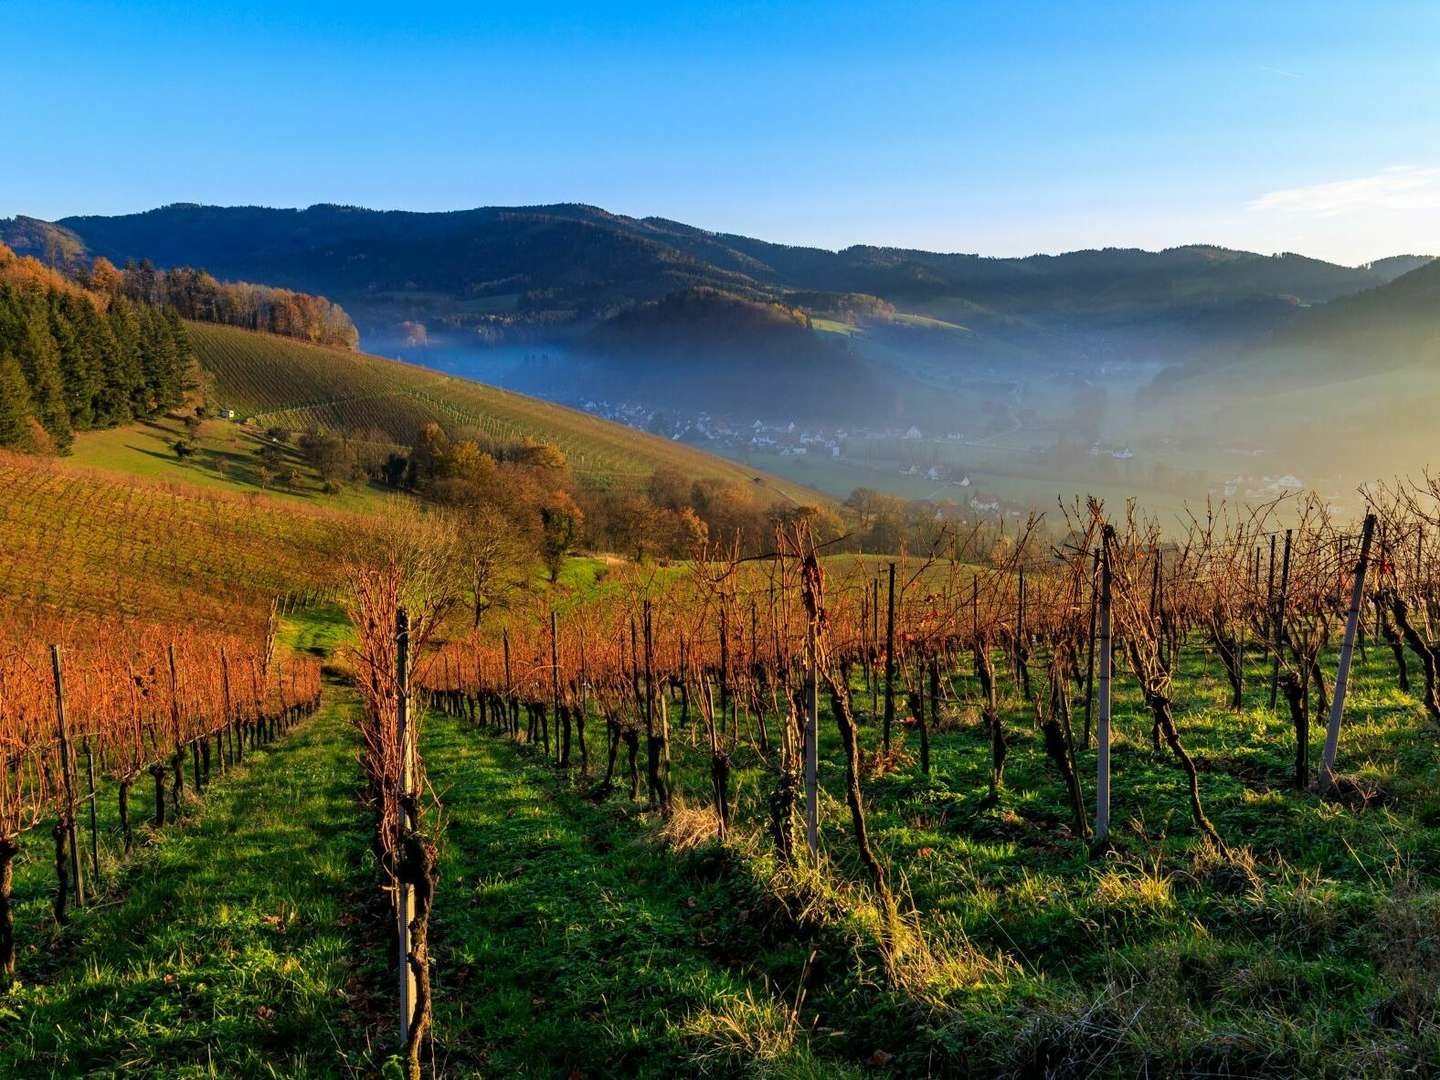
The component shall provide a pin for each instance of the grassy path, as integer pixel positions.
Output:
(567, 944)
(226, 947)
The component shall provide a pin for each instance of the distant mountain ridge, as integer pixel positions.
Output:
(574, 262)
(673, 316)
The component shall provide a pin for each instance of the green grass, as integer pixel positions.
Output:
(574, 937)
(567, 943)
(833, 326)
(224, 460)
(320, 631)
(225, 947)
(1316, 944)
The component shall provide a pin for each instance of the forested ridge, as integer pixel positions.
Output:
(196, 294)
(106, 346)
(74, 358)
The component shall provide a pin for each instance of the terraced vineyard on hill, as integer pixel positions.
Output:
(87, 541)
(279, 381)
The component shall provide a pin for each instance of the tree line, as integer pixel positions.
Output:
(72, 359)
(197, 295)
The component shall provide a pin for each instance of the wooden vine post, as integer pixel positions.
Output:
(580, 711)
(561, 753)
(229, 725)
(177, 761)
(1347, 650)
(890, 660)
(404, 891)
(66, 846)
(1102, 758)
(512, 707)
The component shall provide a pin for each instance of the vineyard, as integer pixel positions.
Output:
(1118, 803)
(77, 540)
(1080, 798)
(104, 704)
(277, 381)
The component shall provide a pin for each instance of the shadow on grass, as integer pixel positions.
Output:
(224, 947)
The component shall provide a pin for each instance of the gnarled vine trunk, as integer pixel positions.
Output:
(9, 848)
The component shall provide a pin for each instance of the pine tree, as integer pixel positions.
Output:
(160, 358)
(187, 372)
(40, 361)
(84, 368)
(15, 409)
(126, 374)
(74, 365)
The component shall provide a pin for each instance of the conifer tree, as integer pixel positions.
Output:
(40, 361)
(15, 409)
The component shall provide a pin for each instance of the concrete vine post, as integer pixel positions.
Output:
(890, 660)
(1278, 617)
(1090, 651)
(1342, 676)
(94, 815)
(1102, 758)
(874, 643)
(812, 732)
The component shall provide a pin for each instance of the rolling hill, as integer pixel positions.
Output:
(1348, 388)
(126, 525)
(281, 382)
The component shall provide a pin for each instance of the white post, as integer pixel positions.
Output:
(1102, 759)
(812, 731)
(1347, 650)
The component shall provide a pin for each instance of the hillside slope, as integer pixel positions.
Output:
(81, 539)
(277, 381)
(1348, 389)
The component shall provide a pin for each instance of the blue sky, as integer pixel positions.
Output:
(1002, 128)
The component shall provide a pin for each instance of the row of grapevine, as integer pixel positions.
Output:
(78, 540)
(87, 702)
(742, 651)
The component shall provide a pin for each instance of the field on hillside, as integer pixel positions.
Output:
(580, 930)
(278, 381)
(586, 922)
(223, 457)
(77, 539)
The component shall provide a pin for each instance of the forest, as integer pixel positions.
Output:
(73, 359)
(107, 346)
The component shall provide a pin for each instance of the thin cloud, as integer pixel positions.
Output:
(1401, 187)
(1279, 71)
